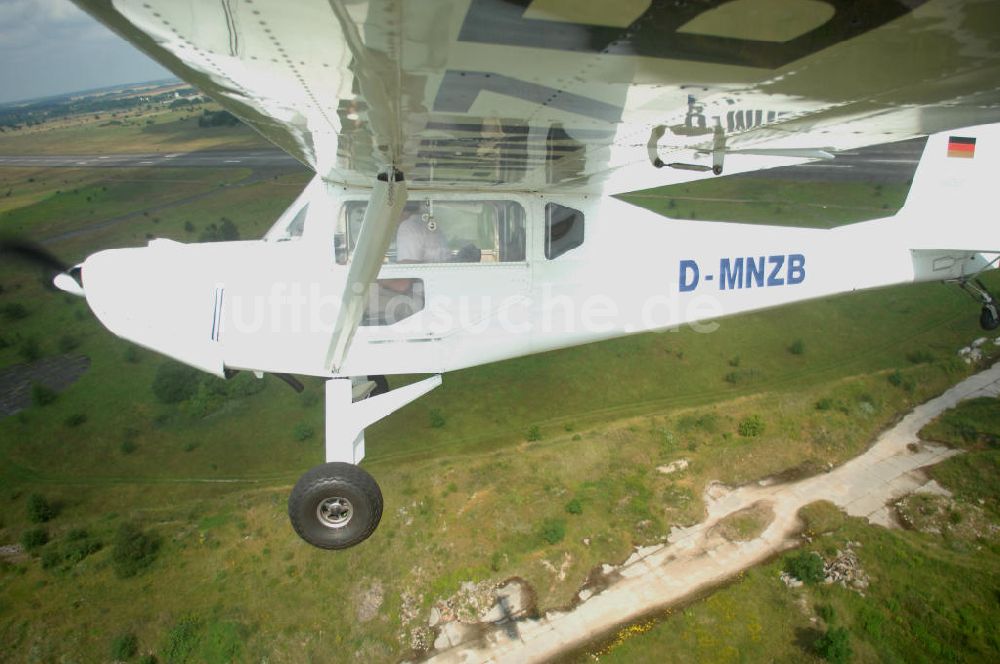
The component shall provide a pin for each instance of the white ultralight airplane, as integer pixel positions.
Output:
(466, 156)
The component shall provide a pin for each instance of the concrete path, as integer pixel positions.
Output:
(695, 558)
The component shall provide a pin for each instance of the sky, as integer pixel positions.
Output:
(49, 47)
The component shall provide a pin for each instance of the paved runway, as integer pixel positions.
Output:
(887, 163)
(207, 158)
(891, 162)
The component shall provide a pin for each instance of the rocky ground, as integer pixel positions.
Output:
(484, 624)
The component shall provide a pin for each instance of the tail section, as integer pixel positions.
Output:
(953, 201)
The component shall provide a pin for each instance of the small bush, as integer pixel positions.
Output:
(437, 419)
(42, 395)
(897, 379)
(534, 433)
(13, 311)
(827, 613)
(34, 539)
(133, 550)
(826, 403)
(574, 506)
(68, 342)
(181, 640)
(496, 561)
(224, 231)
(131, 354)
(920, 357)
(553, 530)
(834, 646)
(124, 647)
(244, 385)
(40, 510)
(805, 566)
(821, 516)
(128, 446)
(50, 558)
(75, 420)
(30, 349)
(303, 432)
(77, 546)
(174, 383)
(751, 426)
(797, 347)
(743, 376)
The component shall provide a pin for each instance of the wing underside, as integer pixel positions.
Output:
(542, 94)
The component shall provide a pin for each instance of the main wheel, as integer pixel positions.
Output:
(335, 506)
(988, 319)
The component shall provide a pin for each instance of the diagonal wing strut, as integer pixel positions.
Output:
(377, 230)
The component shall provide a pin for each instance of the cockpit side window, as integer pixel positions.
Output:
(392, 300)
(289, 226)
(563, 230)
(444, 231)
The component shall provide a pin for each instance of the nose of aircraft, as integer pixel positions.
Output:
(70, 281)
(161, 297)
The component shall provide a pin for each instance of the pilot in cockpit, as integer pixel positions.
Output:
(418, 239)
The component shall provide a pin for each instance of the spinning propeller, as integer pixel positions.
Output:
(65, 277)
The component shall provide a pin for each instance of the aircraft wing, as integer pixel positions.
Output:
(543, 94)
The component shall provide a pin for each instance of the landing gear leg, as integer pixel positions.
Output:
(337, 505)
(989, 316)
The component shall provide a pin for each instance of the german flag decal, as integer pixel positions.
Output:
(961, 147)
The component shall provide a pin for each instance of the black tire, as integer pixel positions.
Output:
(381, 385)
(988, 319)
(335, 506)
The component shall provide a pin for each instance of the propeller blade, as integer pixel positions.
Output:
(31, 252)
(65, 277)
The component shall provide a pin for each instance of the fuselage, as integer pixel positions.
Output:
(552, 271)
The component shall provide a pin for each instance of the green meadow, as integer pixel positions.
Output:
(139, 130)
(166, 533)
(932, 595)
(806, 203)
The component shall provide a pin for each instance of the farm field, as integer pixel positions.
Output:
(166, 522)
(139, 130)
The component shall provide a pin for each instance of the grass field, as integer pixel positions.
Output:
(932, 595)
(747, 199)
(542, 467)
(135, 131)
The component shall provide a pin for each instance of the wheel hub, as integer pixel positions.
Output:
(334, 512)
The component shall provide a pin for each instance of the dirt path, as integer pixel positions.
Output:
(696, 558)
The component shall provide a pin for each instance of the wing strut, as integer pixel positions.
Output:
(377, 231)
